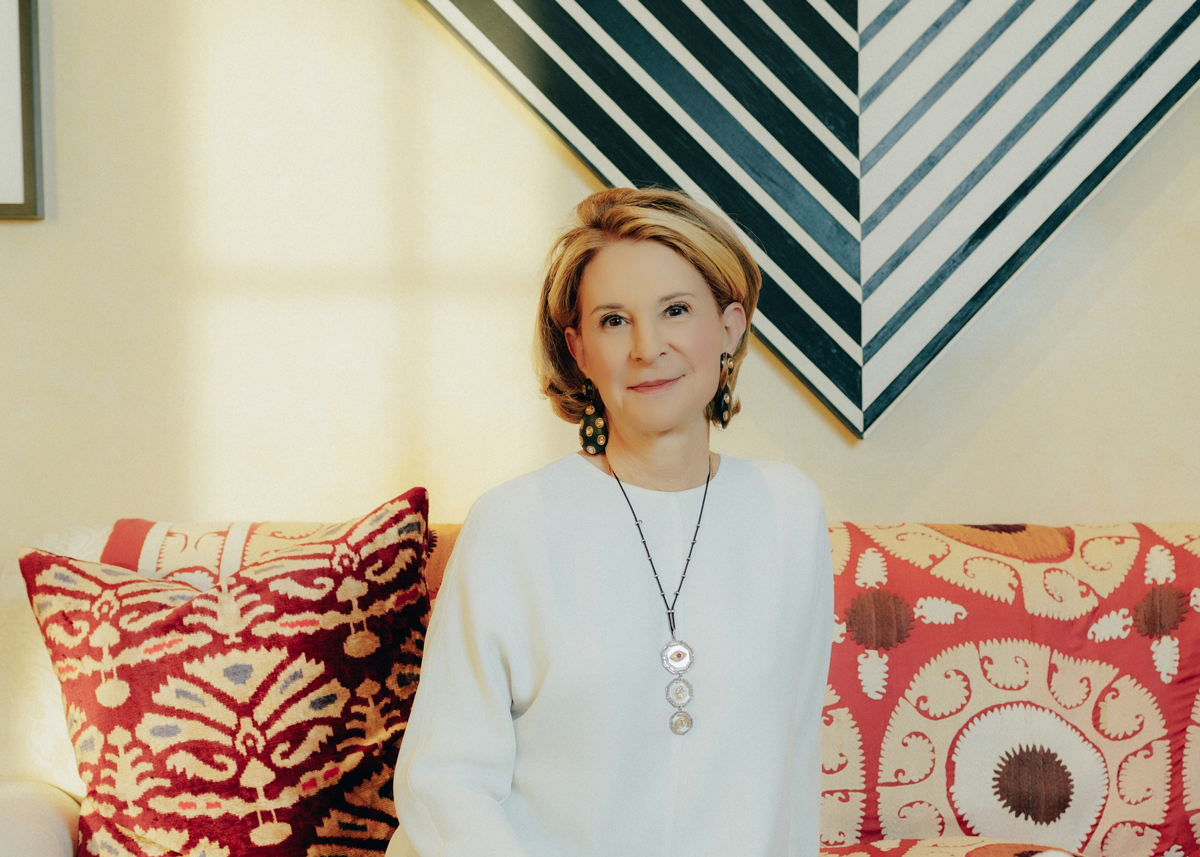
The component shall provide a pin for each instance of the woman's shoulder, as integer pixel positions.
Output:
(506, 524)
(784, 481)
(531, 493)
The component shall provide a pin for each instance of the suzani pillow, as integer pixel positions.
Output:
(260, 712)
(947, 846)
(1032, 684)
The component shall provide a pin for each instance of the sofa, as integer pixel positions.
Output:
(994, 691)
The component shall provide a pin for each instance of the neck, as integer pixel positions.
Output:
(672, 462)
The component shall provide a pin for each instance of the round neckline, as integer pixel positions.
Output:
(684, 492)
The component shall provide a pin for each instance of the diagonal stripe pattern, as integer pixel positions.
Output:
(883, 221)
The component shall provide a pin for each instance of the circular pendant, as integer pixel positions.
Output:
(679, 693)
(681, 722)
(677, 657)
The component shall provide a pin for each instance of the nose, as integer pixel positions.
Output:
(648, 343)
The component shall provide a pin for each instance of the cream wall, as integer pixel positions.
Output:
(289, 266)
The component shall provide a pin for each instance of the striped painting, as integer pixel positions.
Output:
(891, 162)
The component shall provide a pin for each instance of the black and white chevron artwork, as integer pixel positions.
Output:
(891, 162)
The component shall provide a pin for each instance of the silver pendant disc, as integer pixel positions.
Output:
(679, 692)
(677, 657)
(681, 722)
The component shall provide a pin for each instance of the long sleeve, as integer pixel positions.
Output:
(457, 758)
(806, 767)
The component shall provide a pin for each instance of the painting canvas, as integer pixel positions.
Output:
(892, 163)
(20, 133)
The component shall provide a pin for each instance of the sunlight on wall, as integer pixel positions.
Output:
(365, 278)
(311, 407)
(293, 268)
(294, 399)
(484, 227)
(286, 110)
(474, 417)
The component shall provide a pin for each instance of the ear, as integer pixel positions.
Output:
(575, 346)
(734, 319)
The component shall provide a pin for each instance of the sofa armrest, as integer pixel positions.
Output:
(36, 820)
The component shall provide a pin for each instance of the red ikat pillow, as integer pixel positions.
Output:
(203, 553)
(257, 712)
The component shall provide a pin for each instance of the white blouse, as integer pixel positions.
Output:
(540, 724)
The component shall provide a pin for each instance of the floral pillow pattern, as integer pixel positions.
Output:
(1021, 683)
(257, 712)
(950, 846)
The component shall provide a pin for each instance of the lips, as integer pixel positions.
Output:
(652, 386)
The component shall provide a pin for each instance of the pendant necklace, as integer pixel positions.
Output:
(676, 655)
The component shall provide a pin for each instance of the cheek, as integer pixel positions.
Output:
(604, 360)
(707, 349)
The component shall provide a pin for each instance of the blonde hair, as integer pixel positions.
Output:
(673, 219)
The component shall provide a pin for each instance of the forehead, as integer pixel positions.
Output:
(634, 271)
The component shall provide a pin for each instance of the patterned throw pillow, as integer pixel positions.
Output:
(202, 553)
(260, 712)
(947, 846)
(1026, 683)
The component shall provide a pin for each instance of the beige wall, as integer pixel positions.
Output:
(288, 269)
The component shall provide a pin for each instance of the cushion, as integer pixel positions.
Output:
(948, 846)
(1017, 682)
(263, 704)
(201, 553)
(36, 819)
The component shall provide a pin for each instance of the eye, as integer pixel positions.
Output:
(612, 321)
(676, 310)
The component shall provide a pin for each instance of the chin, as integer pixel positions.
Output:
(665, 424)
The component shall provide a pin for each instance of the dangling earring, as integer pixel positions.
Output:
(592, 431)
(723, 402)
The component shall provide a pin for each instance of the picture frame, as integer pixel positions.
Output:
(888, 181)
(20, 113)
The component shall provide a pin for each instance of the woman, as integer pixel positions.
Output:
(629, 651)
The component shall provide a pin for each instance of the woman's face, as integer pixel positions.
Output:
(650, 337)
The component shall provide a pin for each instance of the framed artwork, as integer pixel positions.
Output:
(890, 163)
(20, 112)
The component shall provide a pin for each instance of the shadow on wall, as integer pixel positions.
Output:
(367, 303)
(280, 277)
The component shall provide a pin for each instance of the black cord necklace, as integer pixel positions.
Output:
(676, 655)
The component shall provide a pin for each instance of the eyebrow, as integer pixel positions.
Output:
(665, 299)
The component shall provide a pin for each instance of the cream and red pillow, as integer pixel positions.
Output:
(255, 708)
(202, 553)
(1030, 683)
(949, 846)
